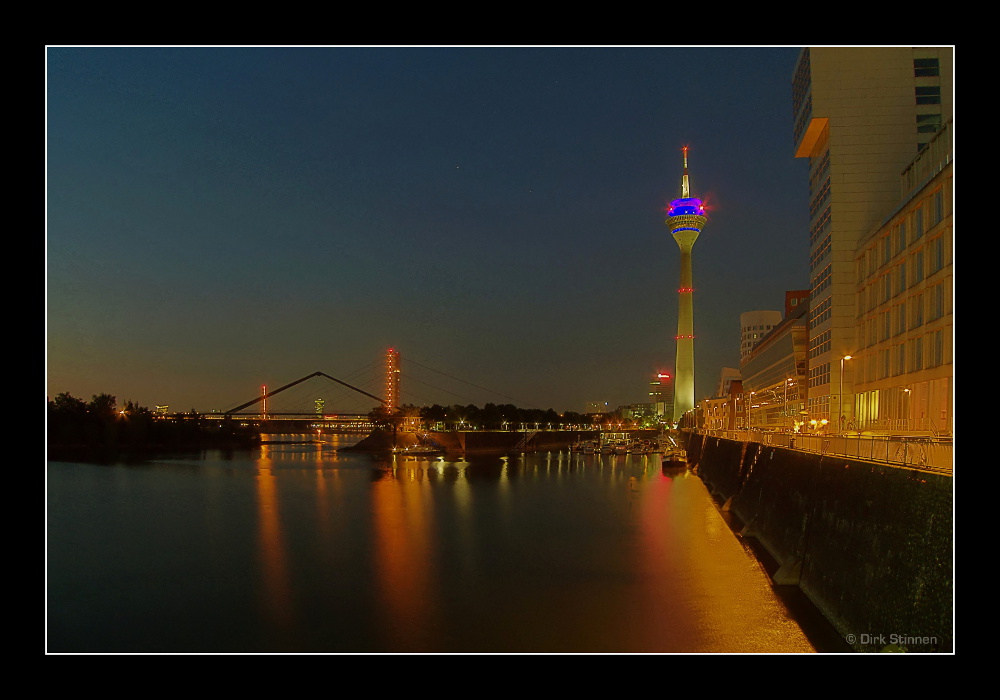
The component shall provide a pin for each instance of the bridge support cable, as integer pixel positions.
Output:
(437, 388)
(299, 381)
(459, 380)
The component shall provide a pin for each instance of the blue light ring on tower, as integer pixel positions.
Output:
(690, 206)
(686, 222)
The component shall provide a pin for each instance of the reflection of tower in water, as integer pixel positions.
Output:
(391, 378)
(685, 217)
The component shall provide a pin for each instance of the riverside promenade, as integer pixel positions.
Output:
(869, 542)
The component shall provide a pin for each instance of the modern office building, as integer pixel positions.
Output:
(754, 325)
(860, 115)
(661, 397)
(774, 373)
(685, 219)
(902, 368)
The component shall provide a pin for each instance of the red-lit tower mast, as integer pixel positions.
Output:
(391, 378)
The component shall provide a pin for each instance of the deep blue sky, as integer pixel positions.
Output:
(223, 218)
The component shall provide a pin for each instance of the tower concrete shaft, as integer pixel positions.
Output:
(685, 218)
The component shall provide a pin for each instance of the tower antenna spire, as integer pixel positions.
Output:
(685, 184)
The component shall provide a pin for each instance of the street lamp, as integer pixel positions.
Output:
(788, 380)
(905, 413)
(843, 417)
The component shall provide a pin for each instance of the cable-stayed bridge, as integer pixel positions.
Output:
(320, 394)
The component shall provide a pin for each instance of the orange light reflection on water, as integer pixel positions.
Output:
(402, 519)
(732, 605)
(276, 591)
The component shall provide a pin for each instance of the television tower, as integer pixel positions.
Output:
(685, 217)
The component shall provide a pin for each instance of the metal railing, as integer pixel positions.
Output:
(918, 452)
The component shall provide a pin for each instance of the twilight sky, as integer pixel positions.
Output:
(223, 218)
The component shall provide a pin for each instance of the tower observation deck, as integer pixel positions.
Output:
(685, 219)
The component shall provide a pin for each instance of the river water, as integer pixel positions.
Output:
(300, 548)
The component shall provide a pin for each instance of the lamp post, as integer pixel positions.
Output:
(906, 410)
(841, 400)
(788, 381)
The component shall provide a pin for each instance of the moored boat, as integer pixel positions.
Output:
(675, 458)
(421, 449)
(640, 447)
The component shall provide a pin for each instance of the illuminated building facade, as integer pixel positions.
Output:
(774, 373)
(903, 372)
(754, 325)
(860, 115)
(685, 219)
(660, 396)
(392, 378)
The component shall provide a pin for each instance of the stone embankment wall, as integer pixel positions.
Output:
(870, 544)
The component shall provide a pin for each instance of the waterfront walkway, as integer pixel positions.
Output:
(916, 452)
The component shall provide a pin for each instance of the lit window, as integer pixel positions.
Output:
(928, 123)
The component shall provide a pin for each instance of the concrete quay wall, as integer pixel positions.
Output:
(870, 544)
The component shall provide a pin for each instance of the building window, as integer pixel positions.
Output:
(935, 302)
(900, 277)
(916, 353)
(937, 207)
(899, 359)
(820, 199)
(936, 349)
(928, 123)
(883, 364)
(822, 313)
(886, 246)
(928, 95)
(898, 319)
(820, 344)
(926, 67)
(935, 255)
(916, 305)
(917, 268)
(818, 376)
(821, 253)
(821, 282)
(821, 226)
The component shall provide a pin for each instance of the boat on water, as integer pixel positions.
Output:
(641, 447)
(675, 458)
(418, 450)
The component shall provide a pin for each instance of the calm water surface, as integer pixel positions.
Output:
(299, 548)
